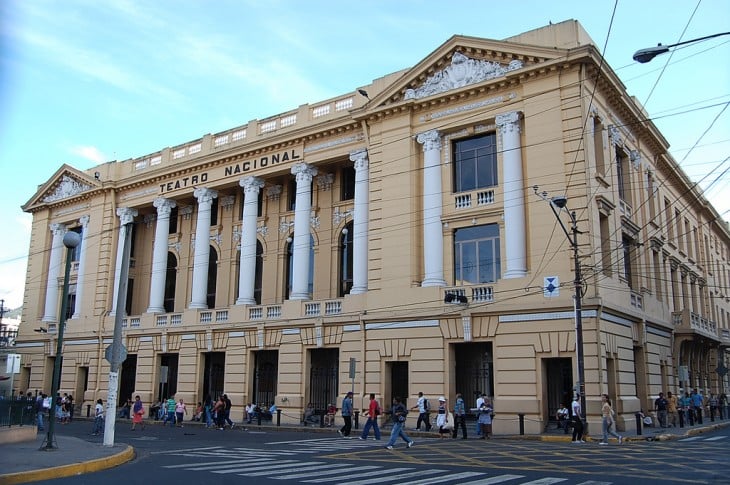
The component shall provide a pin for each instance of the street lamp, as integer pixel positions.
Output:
(71, 239)
(557, 204)
(646, 55)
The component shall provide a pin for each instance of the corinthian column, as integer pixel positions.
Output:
(201, 253)
(360, 223)
(81, 272)
(126, 216)
(433, 242)
(247, 270)
(50, 312)
(159, 255)
(514, 195)
(302, 236)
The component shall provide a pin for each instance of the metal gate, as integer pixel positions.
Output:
(398, 381)
(474, 371)
(323, 380)
(128, 379)
(168, 376)
(559, 384)
(265, 375)
(214, 374)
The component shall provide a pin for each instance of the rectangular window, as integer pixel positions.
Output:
(650, 189)
(475, 163)
(668, 220)
(598, 145)
(622, 175)
(476, 255)
(605, 245)
(628, 246)
(657, 275)
(347, 182)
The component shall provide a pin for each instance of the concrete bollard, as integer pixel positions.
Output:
(522, 423)
(639, 422)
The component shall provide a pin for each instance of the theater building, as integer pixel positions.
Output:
(395, 239)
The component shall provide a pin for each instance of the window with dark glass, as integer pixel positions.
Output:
(170, 283)
(173, 221)
(290, 266)
(214, 212)
(345, 279)
(259, 207)
(347, 175)
(258, 281)
(475, 162)
(628, 246)
(292, 195)
(212, 277)
(476, 255)
(130, 292)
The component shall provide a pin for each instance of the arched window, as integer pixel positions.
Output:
(290, 268)
(212, 277)
(170, 282)
(345, 247)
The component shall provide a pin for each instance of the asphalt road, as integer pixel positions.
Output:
(193, 455)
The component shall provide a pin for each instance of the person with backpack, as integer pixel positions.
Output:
(424, 412)
(346, 415)
(373, 412)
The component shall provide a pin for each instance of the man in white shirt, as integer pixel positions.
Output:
(424, 414)
(480, 403)
(577, 420)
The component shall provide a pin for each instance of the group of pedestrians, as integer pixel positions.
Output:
(688, 409)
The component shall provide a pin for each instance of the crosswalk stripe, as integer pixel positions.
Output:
(691, 438)
(350, 471)
(184, 465)
(175, 452)
(593, 482)
(307, 470)
(241, 464)
(391, 478)
(284, 469)
(545, 481)
(492, 480)
(447, 478)
(715, 438)
(373, 473)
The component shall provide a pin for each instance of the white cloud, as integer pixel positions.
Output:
(90, 153)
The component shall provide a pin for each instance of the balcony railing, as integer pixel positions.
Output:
(477, 294)
(690, 321)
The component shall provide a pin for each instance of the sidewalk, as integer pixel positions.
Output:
(24, 462)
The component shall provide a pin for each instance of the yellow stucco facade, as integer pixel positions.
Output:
(366, 213)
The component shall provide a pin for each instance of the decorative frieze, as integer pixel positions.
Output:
(68, 187)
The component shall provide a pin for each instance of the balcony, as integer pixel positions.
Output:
(475, 294)
(690, 323)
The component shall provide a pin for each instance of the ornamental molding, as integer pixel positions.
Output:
(468, 107)
(325, 181)
(68, 187)
(333, 143)
(69, 210)
(138, 193)
(462, 71)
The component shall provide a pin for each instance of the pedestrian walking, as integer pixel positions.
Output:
(219, 413)
(609, 419)
(208, 410)
(577, 417)
(672, 407)
(459, 417)
(479, 402)
(398, 413)
(697, 403)
(170, 405)
(180, 412)
(484, 420)
(424, 412)
(41, 409)
(227, 411)
(442, 418)
(98, 418)
(373, 412)
(137, 413)
(660, 406)
(346, 415)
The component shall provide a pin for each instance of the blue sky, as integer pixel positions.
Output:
(84, 82)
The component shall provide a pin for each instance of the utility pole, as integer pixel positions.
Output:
(116, 353)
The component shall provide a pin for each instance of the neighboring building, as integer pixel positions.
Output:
(265, 259)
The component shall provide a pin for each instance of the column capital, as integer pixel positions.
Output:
(57, 228)
(164, 206)
(84, 221)
(360, 157)
(251, 185)
(303, 172)
(506, 122)
(431, 140)
(204, 194)
(126, 214)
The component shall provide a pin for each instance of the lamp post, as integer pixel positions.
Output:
(646, 55)
(557, 204)
(71, 239)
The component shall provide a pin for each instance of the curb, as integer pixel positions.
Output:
(69, 470)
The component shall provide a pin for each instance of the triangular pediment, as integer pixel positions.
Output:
(460, 62)
(66, 183)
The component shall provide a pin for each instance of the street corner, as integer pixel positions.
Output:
(127, 454)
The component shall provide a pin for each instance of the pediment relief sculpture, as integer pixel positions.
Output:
(461, 72)
(68, 187)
